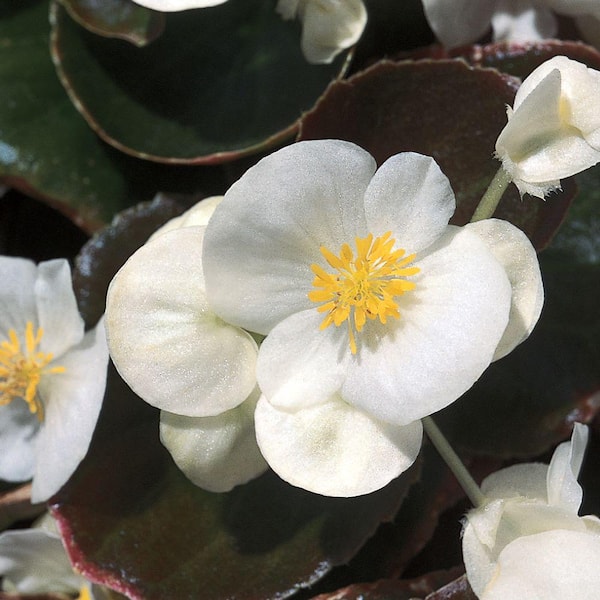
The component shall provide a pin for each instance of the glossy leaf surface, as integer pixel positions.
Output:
(239, 83)
(122, 19)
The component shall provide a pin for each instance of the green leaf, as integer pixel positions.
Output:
(443, 109)
(219, 83)
(48, 151)
(117, 18)
(131, 520)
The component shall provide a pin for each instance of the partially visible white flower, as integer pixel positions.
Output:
(369, 301)
(52, 375)
(198, 216)
(553, 129)
(175, 353)
(215, 453)
(527, 540)
(34, 561)
(177, 5)
(459, 22)
(328, 26)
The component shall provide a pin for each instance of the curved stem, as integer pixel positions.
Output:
(489, 201)
(453, 461)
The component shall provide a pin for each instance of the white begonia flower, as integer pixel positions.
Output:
(174, 352)
(328, 26)
(553, 129)
(177, 5)
(52, 375)
(34, 561)
(527, 540)
(377, 311)
(459, 22)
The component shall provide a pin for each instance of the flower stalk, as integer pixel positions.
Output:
(490, 200)
(454, 462)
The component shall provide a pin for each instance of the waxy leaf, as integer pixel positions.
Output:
(219, 83)
(425, 587)
(122, 19)
(520, 59)
(47, 149)
(132, 521)
(443, 109)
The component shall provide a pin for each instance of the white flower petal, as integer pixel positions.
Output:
(33, 561)
(164, 338)
(563, 489)
(57, 307)
(268, 230)
(556, 159)
(19, 428)
(580, 90)
(177, 5)
(532, 126)
(299, 365)
(513, 250)
(527, 480)
(17, 302)
(72, 402)
(478, 538)
(485, 522)
(215, 453)
(410, 196)
(449, 328)
(330, 26)
(521, 22)
(554, 130)
(197, 216)
(334, 449)
(458, 22)
(553, 565)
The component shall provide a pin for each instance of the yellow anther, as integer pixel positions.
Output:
(84, 593)
(362, 287)
(21, 369)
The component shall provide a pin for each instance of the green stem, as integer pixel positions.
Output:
(489, 201)
(453, 461)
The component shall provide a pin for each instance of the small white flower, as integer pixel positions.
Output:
(175, 353)
(377, 311)
(328, 26)
(459, 22)
(34, 561)
(527, 540)
(52, 376)
(177, 5)
(553, 129)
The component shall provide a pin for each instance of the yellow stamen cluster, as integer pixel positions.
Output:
(364, 287)
(84, 594)
(21, 369)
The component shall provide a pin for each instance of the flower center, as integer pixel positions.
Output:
(362, 287)
(21, 369)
